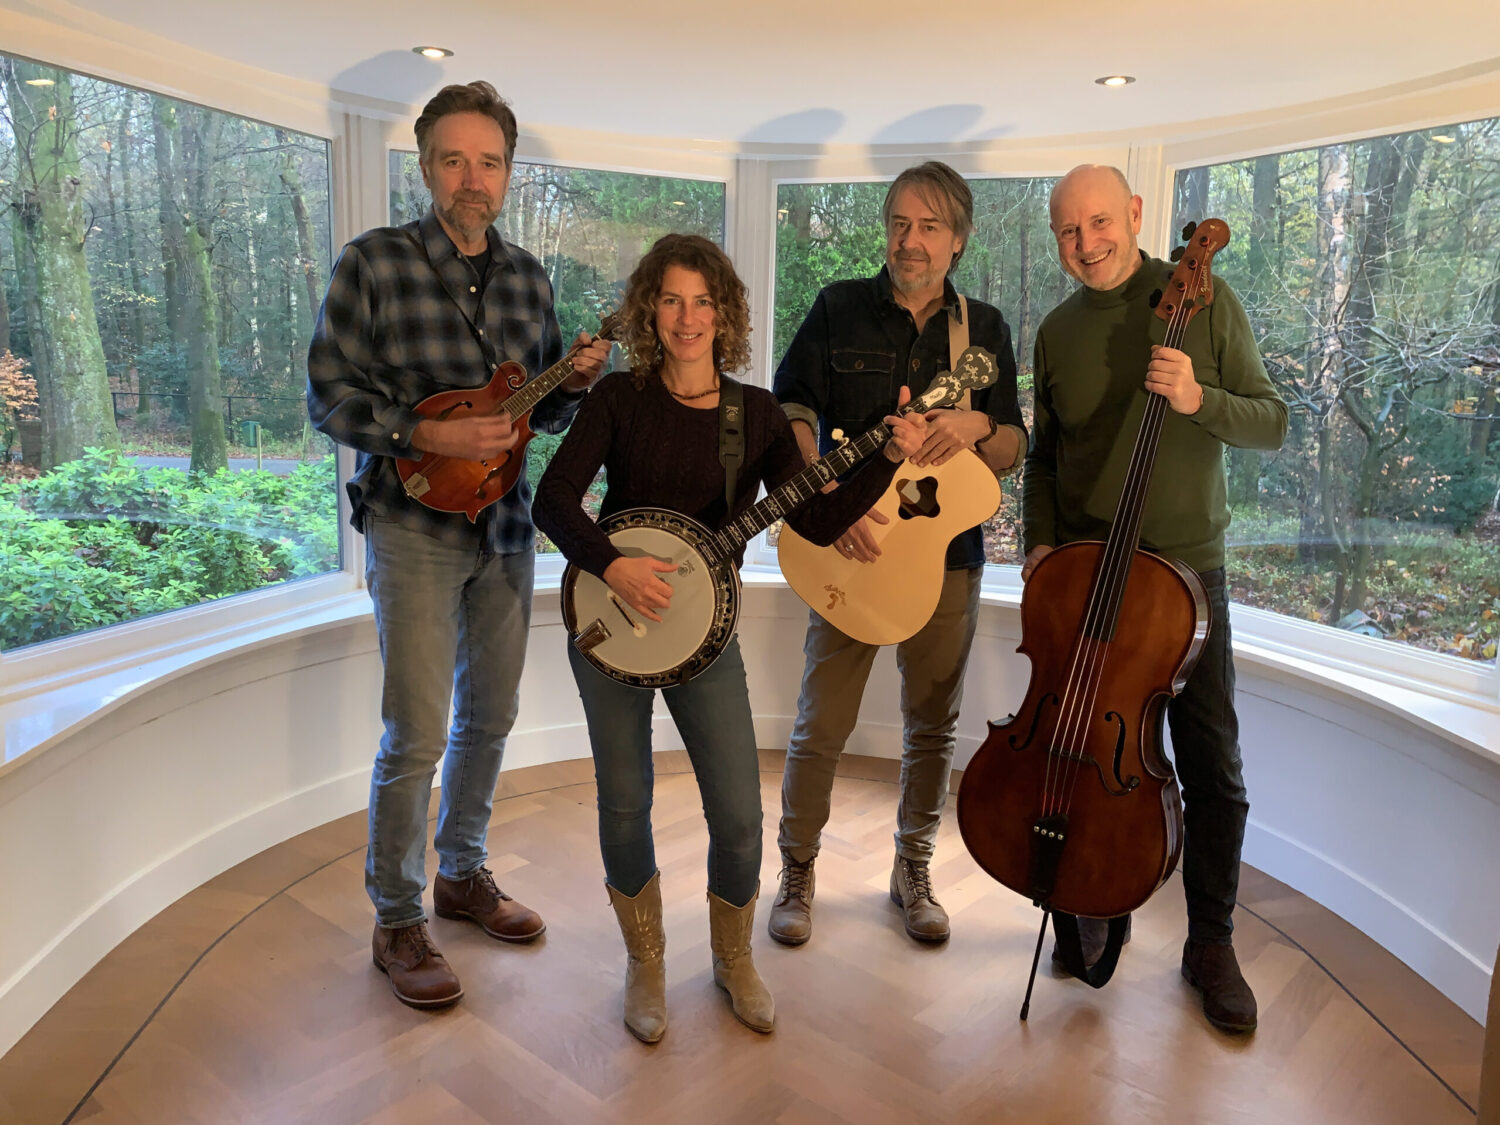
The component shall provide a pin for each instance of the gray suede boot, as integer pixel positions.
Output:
(646, 969)
(729, 934)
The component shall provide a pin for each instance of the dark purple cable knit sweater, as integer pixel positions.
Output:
(661, 453)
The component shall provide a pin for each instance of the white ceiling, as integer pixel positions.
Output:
(811, 72)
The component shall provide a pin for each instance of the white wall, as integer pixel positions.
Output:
(1388, 824)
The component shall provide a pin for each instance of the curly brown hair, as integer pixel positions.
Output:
(639, 340)
(475, 97)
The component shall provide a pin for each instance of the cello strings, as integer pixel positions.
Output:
(1107, 594)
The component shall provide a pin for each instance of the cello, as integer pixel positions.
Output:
(1071, 801)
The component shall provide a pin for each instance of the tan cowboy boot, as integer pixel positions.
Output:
(646, 969)
(729, 934)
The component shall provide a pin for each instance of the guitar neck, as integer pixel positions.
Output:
(794, 493)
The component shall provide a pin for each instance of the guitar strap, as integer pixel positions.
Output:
(731, 436)
(958, 342)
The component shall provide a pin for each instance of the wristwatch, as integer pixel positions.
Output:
(994, 429)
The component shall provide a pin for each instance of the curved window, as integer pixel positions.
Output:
(588, 228)
(159, 279)
(826, 232)
(1371, 273)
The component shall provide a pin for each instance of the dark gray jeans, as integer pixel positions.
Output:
(1206, 753)
(833, 683)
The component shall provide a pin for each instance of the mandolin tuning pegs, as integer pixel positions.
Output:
(1176, 255)
(1187, 231)
(1155, 298)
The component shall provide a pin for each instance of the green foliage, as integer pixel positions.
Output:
(99, 541)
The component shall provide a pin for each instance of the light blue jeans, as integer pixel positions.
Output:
(712, 713)
(453, 625)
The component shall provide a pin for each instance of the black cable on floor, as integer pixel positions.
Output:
(1363, 1006)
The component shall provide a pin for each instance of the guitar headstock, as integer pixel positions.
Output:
(975, 369)
(1191, 286)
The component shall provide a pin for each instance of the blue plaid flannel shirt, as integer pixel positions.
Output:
(400, 322)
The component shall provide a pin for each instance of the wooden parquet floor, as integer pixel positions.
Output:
(253, 999)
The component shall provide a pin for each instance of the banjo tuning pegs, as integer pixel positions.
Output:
(1187, 231)
(1155, 298)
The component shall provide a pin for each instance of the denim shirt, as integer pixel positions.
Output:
(857, 348)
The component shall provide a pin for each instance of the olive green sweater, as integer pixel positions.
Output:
(1090, 373)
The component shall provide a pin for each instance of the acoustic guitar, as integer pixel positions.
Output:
(887, 601)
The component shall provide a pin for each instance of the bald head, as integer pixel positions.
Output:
(1101, 178)
(1096, 218)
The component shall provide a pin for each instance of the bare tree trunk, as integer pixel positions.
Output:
(1331, 304)
(51, 215)
(144, 385)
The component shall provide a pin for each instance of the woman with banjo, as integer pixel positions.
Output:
(662, 437)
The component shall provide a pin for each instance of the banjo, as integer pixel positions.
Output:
(705, 607)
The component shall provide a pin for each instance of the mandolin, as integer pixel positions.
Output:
(454, 484)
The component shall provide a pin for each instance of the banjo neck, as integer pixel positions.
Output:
(724, 543)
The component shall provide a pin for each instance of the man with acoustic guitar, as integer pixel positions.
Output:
(1094, 354)
(410, 312)
(862, 340)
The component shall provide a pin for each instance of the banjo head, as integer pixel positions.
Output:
(694, 628)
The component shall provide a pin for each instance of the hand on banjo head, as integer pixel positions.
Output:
(635, 581)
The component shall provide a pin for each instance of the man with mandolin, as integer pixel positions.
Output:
(1094, 354)
(411, 313)
(861, 342)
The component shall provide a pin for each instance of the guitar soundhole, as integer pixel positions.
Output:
(918, 498)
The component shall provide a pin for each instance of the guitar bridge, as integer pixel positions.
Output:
(416, 486)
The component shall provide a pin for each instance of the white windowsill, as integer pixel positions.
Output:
(43, 716)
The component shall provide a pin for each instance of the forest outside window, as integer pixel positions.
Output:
(588, 228)
(826, 232)
(1371, 273)
(161, 267)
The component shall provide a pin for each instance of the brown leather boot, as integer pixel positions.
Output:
(478, 899)
(646, 966)
(729, 934)
(419, 974)
(1092, 933)
(911, 890)
(791, 914)
(1215, 971)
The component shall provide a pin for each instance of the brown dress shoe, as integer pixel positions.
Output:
(911, 890)
(791, 914)
(419, 974)
(1092, 934)
(1214, 971)
(478, 899)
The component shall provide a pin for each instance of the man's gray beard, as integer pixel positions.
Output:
(450, 216)
(922, 281)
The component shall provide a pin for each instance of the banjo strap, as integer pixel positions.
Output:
(731, 436)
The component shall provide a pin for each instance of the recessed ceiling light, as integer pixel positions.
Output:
(40, 82)
(1114, 80)
(1443, 138)
(434, 52)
